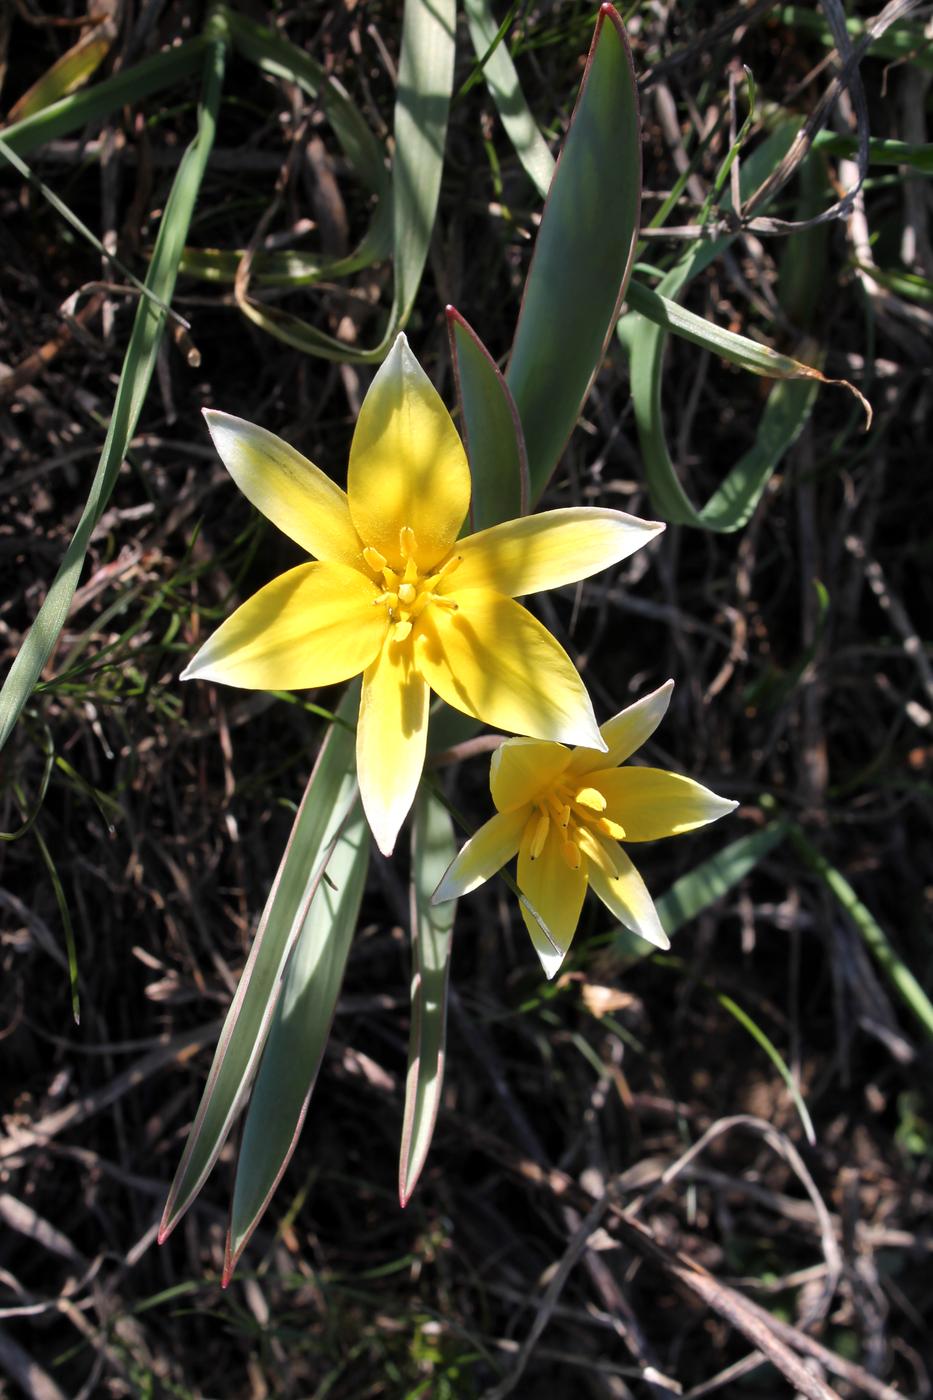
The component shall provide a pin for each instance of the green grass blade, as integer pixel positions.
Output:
(328, 798)
(873, 935)
(72, 70)
(279, 57)
(785, 413)
(65, 916)
(583, 253)
(425, 81)
(739, 350)
(880, 151)
(433, 848)
(704, 885)
(125, 88)
(505, 89)
(492, 430)
(135, 375)
(298, 1035)
(774, 1055)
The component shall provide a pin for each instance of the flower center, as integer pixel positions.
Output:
(407, 593)
(577, 814)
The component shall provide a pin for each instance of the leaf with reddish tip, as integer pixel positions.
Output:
(298, 1035)
(433, 847)
(492, 430)
(583, 253)
(329, 796)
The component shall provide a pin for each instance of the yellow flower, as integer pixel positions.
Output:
(393, 593)
(565, 811)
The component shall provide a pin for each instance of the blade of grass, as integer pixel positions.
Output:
(701, 887)
(425, 81)
(774, 1055)
(433, 848)
(328, 799)
(130, 85)
(782, 419)
(501, 79)
(298, 1036)
(876, 940)
(75, 67)
(739, 350)
(135, 376)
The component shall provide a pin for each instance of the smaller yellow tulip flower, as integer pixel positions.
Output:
(564, 811)
(392, 592)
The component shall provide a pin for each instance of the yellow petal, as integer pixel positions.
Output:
(556, 893)
(407, 464)
(492, 659)
(651, 803)
(311, 626)
(627, 898)
(523, 768)
(289, 490)
(627, 731)
(549, 549)
(390, 741)
(487, 851)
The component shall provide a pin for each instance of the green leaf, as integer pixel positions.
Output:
(583, 253)
(774, 1055)
(328, 799)
(704, 885)
(505, 89)
(433, 848)
(135, 375)
(873, 935)
(425, 81)
(75, 67)
(298, 1035)
(787, 408)
(739, 350)
(880, 151)
(492, 430)
(125, 88)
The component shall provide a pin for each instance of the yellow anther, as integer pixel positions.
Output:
(407, 594)
(374, 559)
(391, 578)
(564, 817)
(407, 542)
(442, 602)
(591, 798)
(571, 853)
(539, 835)
(389, 599)
(611, 828)
(411, 571)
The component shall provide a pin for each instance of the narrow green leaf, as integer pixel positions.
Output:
(776, 1058)
(787, 408)
(125, 88)
(737, 349)
(72, 70)
(583, 253)
(873, 935)
(880, 151)
(135, 375)
(433, 848)
(505, 89)
(328, 798)
(701, 887)
(425, 81)
(298, 1035)
(492, 430)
